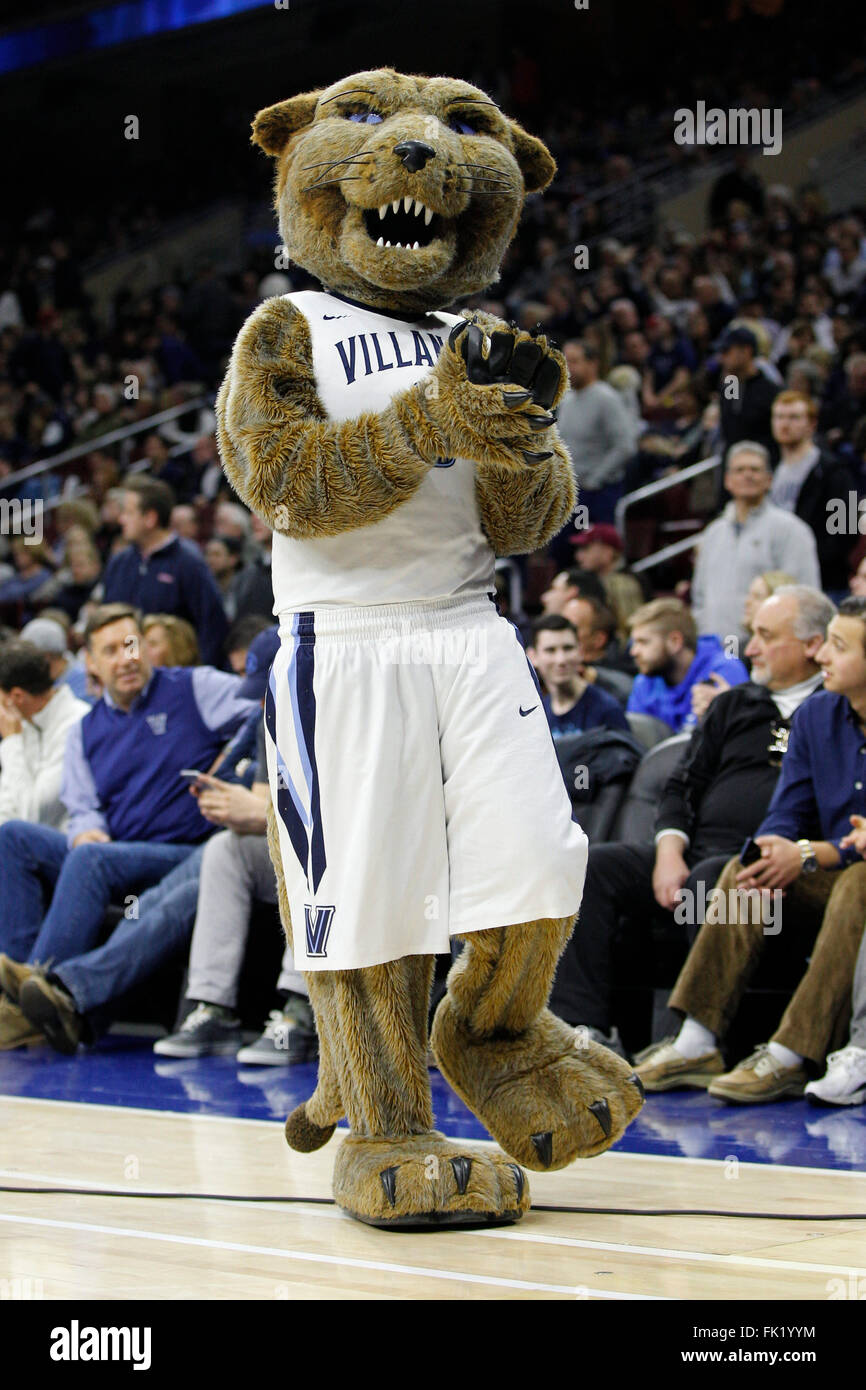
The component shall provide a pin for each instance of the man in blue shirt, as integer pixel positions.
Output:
(572, 704)
(808, 854)
(131, 817)
(672, 659)
(158, 572)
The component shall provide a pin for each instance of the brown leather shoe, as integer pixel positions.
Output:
(662, 1068)
(759, 1079)
(13, 973)
(15, 1029)
(51, 1008)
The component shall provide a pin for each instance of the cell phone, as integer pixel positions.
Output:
(192, 773)
(750, 852)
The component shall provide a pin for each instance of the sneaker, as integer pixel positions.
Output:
(15, 1029)
(758, 1080)
(49, 1006)
(661, 1068)
(13, 973)
(844, 1082)
(208, 1030)
(289, 1037)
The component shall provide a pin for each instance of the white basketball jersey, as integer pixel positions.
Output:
(432, 545)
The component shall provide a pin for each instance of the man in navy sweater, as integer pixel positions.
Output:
(158, 572)
(572, 704)
(131, 816)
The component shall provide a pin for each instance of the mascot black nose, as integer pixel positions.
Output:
(414, 154)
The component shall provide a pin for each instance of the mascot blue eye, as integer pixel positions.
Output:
(462, 127)
(367, 117)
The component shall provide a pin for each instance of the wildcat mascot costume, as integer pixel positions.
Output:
(396, 450)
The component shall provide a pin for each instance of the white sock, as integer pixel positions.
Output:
(785, 1055)
(693, 1039)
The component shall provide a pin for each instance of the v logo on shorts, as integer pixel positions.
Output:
(319, 930)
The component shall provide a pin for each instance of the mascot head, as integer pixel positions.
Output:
(400, 192)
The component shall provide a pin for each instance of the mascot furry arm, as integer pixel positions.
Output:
(309, 476)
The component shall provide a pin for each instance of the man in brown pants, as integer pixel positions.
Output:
(800, 891)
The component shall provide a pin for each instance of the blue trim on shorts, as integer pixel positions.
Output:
(305, 696)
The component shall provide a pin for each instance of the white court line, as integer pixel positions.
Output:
(343, 1130)
(418, 1271)
(530, 1237)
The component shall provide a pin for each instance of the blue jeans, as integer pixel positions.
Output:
(36, 862)
(138, 945)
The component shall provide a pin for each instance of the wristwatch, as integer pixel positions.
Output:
(808, 861)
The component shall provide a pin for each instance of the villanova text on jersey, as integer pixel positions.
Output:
(374, 359)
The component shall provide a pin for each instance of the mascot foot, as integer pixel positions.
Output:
(426, 1180)
(548, 1095)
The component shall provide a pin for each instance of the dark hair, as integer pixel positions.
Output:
(854, 607)
(552, 622)
(109, 613)
(153, 496)
(587, 583)
(603, 617)
(244, 630)
(24, 665)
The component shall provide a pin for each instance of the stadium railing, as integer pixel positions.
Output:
(655, 489)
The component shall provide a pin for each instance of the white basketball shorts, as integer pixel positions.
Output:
(417, 790)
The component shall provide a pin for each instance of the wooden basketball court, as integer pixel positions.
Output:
(85, 1246)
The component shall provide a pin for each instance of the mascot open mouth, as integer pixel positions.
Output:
(407, 223)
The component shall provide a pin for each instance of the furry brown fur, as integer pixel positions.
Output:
(544, 1098)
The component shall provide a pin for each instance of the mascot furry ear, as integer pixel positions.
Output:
(275, 125)
(395, 449)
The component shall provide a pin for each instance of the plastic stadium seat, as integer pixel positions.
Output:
(636, 817)
(647, 729)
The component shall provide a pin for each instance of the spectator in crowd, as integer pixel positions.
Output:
(158, 573)
(184, 522)
(596, 430)
(36, 716)
(75, 581)
(807, 481)
(841, 412)
(572, 704)
(751, 535)
(223, 556)
(169, 641)
(131, 818)
(746, 395)
(209, 895)
(823, 879)
(49, 636)
(671, 659)
(240, 638)
(602, 661)
(708, 807)
(740, 184)
(33, 568)
(844, 1081)
(598, 550)
(762, 587)
(570, 584)
(252, 589)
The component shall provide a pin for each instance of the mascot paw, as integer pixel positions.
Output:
(427, 1181)
(492, 394)
(547, 1096)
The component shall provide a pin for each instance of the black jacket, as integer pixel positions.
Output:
(748, 416)
(720, 791)
(827, 481)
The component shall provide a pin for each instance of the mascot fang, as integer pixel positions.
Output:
(396, 450)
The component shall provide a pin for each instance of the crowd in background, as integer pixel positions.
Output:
(747, 342)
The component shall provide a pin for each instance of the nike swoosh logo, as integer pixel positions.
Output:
(523, 712)
(335, 316)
